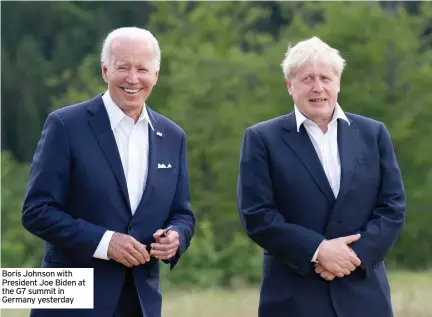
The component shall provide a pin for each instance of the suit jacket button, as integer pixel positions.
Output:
(130, 227)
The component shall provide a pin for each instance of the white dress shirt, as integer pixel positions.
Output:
(133, 146)
(326, 147)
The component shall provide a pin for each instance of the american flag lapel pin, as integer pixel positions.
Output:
(159, 134)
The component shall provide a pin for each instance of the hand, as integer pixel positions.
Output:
(336, 257)
(324, 274)
(127, 251)
(166, 246)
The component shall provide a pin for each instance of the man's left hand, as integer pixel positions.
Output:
(323, 273)
(165, 247)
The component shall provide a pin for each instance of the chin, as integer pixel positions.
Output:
(133, 105)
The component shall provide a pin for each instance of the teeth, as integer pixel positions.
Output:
(318, 100)
(131, 91)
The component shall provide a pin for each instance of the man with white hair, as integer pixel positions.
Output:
(109, 186)
(321, 192)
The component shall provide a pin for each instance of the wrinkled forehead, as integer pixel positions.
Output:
(131, 50)
(315, 67)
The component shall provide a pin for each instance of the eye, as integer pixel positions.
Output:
(122, 68)
(143, 69)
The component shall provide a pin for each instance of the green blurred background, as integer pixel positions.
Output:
(220, 73)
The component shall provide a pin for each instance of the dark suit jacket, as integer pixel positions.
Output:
(77, 190)
(287, 207)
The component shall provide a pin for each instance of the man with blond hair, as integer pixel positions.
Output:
(108, 176)
(321, 192)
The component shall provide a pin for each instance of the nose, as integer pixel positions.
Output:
(318, 86)
(132, 77)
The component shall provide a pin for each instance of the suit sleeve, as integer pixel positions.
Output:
(263, 223)
(181, 216)
(47, 192)
(388, 216)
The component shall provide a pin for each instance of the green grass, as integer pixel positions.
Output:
(411, 295)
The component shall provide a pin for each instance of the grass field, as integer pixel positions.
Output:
(411, 294)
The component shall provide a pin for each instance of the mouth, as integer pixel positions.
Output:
(318, 100)
(130, 91)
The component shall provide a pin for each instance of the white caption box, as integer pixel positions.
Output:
(46, 288)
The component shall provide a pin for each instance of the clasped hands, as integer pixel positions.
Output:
(126, 250)
(336, 258)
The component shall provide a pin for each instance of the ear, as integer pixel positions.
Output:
(104, 71)
(156, 77)
(289, 87)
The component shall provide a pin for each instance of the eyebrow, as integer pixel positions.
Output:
(315, 75)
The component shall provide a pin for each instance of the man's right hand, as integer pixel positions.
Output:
(127, 250)
(336, 257)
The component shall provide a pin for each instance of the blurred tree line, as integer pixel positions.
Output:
(220, 73)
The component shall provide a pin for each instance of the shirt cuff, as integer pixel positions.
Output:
(314, 258)
(102, 249)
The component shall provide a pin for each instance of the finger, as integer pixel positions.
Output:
(355, 260)
(158, 253)
(164, 257)
(145, 253)
(346, 271)
(141, 248)
(165, 240)
(352, 251)
(124, 261)
(157, 234)
(165, 246)
(167, 257)
(132, 248)
(129, 252)
(352, 238)
(170, 237)
(162, 254)
(331, 277)
(351, 267)
(138, 256)
(339, 274)
(328, 275)
(131, 259)
(162, 247)
(319, 269)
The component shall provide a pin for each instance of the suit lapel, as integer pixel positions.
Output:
(99, 122)
(347, 145)
(301, 145)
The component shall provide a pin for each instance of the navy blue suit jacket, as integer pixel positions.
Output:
(77, 190)
(287, 207)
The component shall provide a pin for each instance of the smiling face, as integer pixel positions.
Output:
(314, 89)
(131, 73)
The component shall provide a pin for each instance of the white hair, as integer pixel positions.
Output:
(131, 33)
(311, 51)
